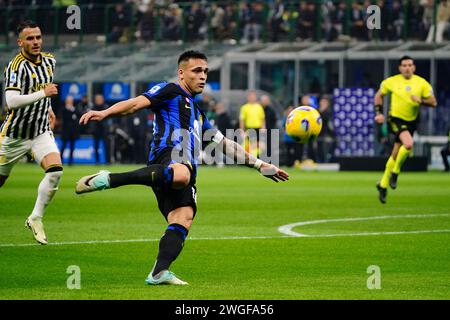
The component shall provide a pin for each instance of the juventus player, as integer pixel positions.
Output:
(26, 129)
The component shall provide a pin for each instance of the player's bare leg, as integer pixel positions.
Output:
(52, 166)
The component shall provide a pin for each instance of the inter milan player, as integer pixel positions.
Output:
(173, 157)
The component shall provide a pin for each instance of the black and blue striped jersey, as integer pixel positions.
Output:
(179, 124)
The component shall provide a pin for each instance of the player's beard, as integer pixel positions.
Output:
(31, 54)
(35, 55)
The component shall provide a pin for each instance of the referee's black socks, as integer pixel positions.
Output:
(155, 175)
(170, 247)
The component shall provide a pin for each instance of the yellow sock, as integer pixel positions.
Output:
(402, 155)
(387, 171)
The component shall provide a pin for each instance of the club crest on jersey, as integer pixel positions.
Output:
(408, 88)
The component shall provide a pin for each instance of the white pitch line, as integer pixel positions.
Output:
(283, 229)
(6, 245)
(287, 229)
(371, 233)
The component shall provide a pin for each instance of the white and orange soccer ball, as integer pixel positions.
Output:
(304, 124)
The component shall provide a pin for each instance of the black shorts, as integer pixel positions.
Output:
(397, 126)
(170, 199)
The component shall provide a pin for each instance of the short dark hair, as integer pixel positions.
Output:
(191, 54)
(26, 24)
(404, 58)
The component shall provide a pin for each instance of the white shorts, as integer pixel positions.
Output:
(12, 150)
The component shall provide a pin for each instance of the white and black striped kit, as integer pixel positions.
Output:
(28, 77)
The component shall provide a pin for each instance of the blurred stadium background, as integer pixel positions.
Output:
(286, 49)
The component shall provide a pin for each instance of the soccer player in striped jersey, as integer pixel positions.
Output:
(172, 166)
(27, 127)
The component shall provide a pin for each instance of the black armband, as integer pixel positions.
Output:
(379, 109)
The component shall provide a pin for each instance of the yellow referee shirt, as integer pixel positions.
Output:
(253, 115)
(401, 89)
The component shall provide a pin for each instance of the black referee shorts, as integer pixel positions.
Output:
(397, 126)
(170, 199)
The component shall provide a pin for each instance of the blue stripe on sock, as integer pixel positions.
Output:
(179, 228)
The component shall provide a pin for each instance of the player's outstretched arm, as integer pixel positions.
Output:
(121, 108)
(235, 150)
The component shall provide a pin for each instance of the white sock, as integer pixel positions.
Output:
(46, 190)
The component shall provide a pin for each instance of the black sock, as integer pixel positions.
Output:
(170, 247)
(153, 175)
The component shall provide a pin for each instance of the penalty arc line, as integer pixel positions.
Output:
(287, 229)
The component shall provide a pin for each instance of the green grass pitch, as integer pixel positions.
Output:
(234, 250)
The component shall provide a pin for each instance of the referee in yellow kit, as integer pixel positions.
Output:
(408, 92)
(252, 117)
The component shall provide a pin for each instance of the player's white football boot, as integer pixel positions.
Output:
(37, 228)
(94, 182)
(164, 277)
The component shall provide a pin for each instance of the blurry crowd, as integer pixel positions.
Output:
(121, 140)
(278, 20)
(246, 21)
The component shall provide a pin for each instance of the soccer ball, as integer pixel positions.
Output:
(304, 124)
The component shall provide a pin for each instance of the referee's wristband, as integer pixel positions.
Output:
(379, 109)
(258, 164)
